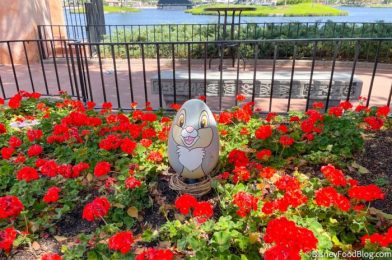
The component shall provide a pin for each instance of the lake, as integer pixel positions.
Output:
(158, 16)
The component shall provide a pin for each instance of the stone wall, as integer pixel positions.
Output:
(19, 20)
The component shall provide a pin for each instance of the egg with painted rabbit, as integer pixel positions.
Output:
(193, 147)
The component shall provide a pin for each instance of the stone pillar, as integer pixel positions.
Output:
(19, 20)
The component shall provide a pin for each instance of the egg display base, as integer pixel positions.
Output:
(201, 187)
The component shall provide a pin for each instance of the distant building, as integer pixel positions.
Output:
(174, 4)
(117, 2)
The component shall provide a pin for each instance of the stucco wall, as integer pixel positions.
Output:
(19, 20)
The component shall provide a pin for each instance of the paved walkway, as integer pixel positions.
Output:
(380, 93)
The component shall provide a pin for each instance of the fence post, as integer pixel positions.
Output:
(80, 71)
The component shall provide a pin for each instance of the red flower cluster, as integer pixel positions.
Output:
(263, 132)
(6, 152)
(374, 123)
(52, 195)
(287, 183)
(327, 197)
(7, 238)
(184, 203)
(346, 105)
(132, 183)
(10, 206)
(286, 140)
(335, 111)
(367, 193)
(3, 130)
(155, 254)
(155, 156)
(202, 210)
(34, 134)
(98, 208)
(288, 238)
(293, 196)
(333, 175)
(238, 158)
(240, 174)
(225, 118)
(14, 102)
(246, 202)
(264, 155)
(51, 256)
(376, 238)
(122, 241)
(35, 150)
(267, 172)
(383, 111)
(27, 174)
(101, 169)
(14, 142)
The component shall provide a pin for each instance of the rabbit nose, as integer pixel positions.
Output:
(189, 129)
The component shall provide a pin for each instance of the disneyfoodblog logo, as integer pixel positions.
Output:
(351, 254)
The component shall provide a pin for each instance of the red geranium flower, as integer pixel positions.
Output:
(264, 155)
(14, 102)
(287, 183)
(51, 256)
(52, 195)
(238, 158)
(132, 183)
(327, 197)
(34, 134)
(318, 105)
(374, 123)
(155, 156)
(383, 111)
(286, 234)
(27, 174)
(246, 202)
(203, 211)
(286, 140)
(335, 111)
(240, 98)
(128, 146)
(267, 172)
(3, 130)
(345, 105)
(34, 150)
(14, 142)
(10, 206)
(367, 193)
(6, 152)
(7, 238)
(155, 254)
(122, 241)
(98, 208)
(225, 118)
(102, 168)
(263, 132)
(185, 202)
(333, 175)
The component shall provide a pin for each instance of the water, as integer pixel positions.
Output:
(158, 16)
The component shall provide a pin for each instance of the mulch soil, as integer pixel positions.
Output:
(377, 158)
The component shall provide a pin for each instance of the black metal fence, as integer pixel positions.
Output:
(277, 74)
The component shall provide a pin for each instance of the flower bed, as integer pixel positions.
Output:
(93, 182)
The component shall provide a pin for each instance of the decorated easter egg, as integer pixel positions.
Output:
(193, 140)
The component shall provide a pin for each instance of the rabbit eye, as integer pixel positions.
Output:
(181, 120)
(203, 120)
